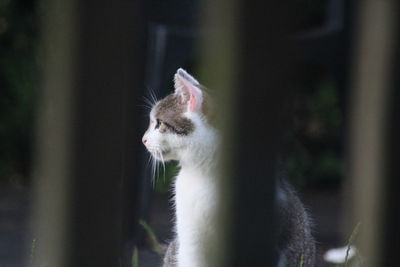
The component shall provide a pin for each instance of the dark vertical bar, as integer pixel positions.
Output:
(246, 58)
(264, 75)
(133, 198)
(108, 74)
(391, 230)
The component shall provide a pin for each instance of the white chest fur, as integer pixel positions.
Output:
(195, 205)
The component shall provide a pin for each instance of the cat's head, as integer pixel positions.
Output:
(180, 123)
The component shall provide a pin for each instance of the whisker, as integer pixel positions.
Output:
(158, 166)
(163, 164)
(153, 169)
(148, 160)
(145, 106)
(148, 101)
(152, 96)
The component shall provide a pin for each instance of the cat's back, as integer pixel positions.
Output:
(295, 241)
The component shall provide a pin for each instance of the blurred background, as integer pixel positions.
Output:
(314, 153)
(19, 76)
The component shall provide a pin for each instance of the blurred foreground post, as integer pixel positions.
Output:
(247, 61)
(372, 139)
(391, 231)
(86, 132)
(54, 135)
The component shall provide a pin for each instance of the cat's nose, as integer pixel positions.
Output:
(144, 141)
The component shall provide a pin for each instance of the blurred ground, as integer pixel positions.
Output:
(325, 207)
(14, 227)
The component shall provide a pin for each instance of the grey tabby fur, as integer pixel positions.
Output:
(295, 242)
(171, 253)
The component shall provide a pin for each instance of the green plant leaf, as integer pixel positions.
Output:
(153, 239)
(135, 257)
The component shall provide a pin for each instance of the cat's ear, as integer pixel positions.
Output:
(188, 89)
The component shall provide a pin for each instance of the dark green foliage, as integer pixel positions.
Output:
(315, 156)
(18, 87)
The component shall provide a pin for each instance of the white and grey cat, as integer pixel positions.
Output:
(181, 129)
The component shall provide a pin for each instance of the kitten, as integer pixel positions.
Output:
(181, 129)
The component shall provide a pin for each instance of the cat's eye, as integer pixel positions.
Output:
(158, 124)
